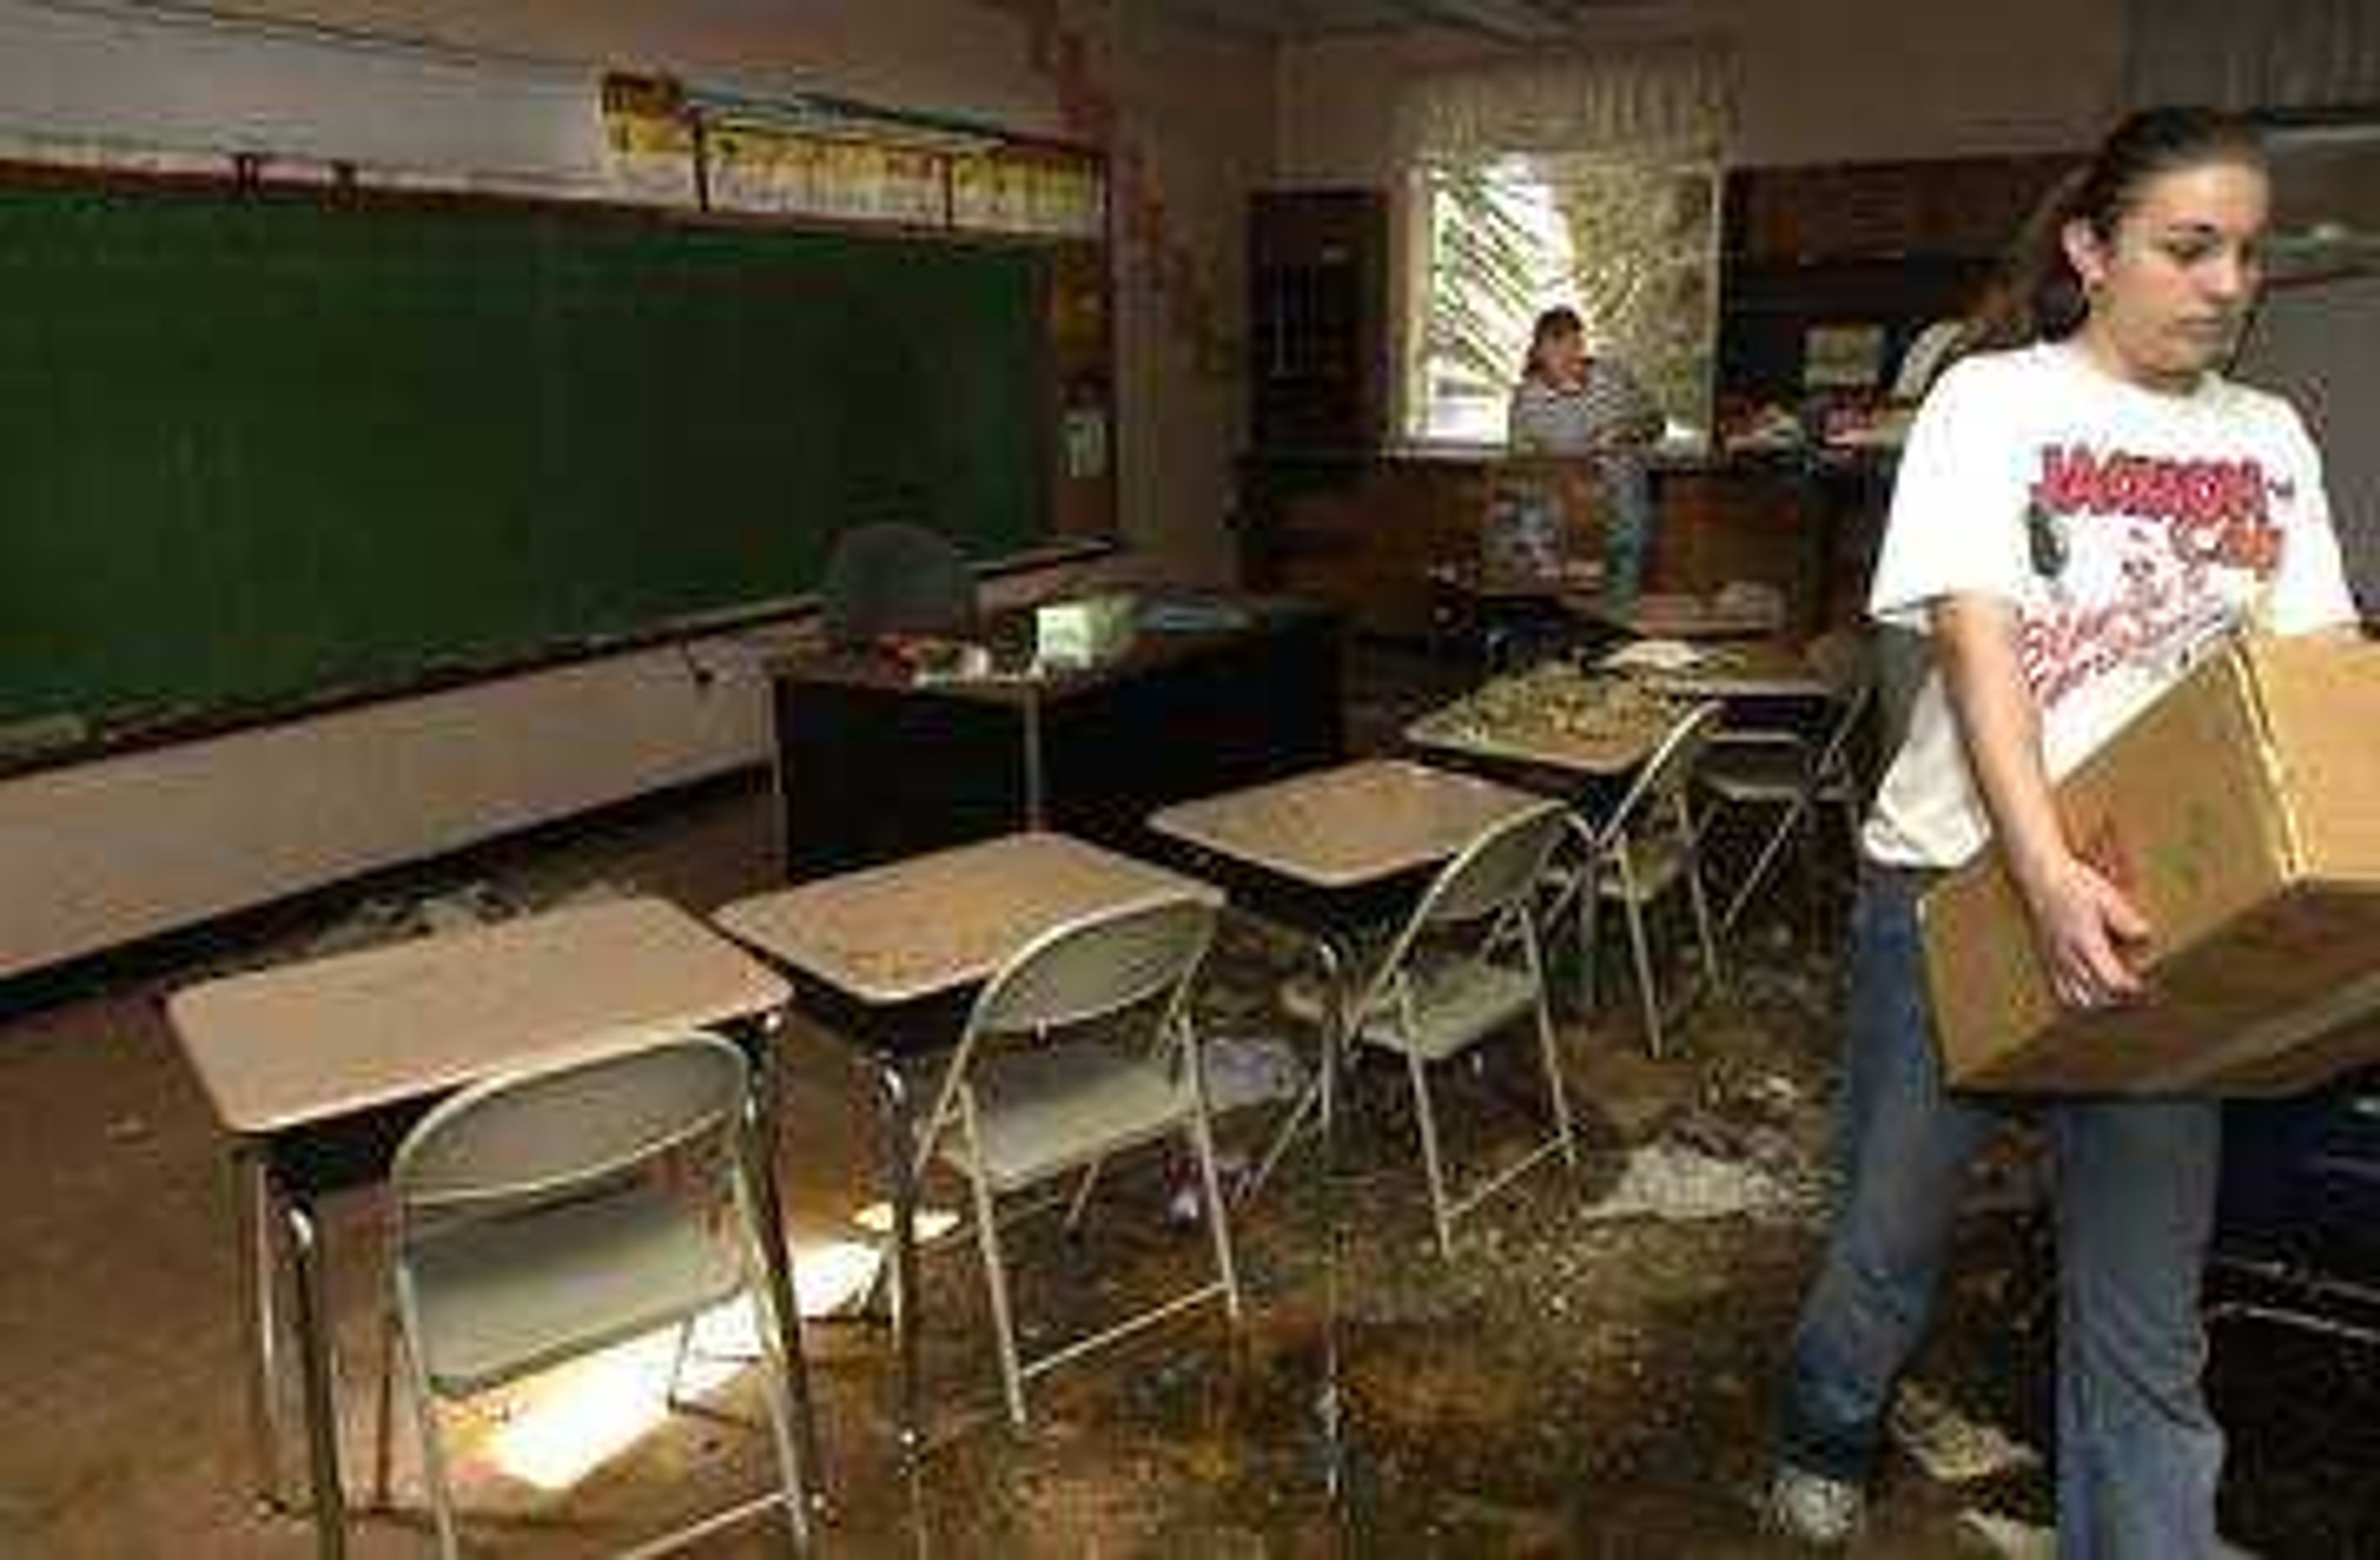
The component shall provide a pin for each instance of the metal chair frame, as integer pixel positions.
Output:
(1095, 967)
(632, 1155)
(1486, 896)
(1618, 863)
(1811, 776)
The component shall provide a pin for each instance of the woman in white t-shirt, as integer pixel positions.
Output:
(1573, 402)
(2081, 507)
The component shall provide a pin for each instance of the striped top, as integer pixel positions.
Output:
(1610, 407)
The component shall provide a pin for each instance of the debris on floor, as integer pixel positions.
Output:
(391, 919)
(369, 924)
(1249, 1070)
(1951, 1447)
(1672, 1182)
(1989, 1533)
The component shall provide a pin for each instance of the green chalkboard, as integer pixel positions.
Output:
(257, 449)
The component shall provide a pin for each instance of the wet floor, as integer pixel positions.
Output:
(1589, 1375)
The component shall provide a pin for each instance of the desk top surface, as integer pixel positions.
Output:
(1554, 717)
(305, 1043)
(931, 924)
(1351, 824)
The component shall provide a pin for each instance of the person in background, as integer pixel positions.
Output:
(2085, 502)
(1571, 402)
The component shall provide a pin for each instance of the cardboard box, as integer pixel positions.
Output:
(1084, 632)
(2241, 813)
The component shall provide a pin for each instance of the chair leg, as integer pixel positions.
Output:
(1202, 1140)
(1589, 893)
(1549, 1051)
(1427, 1123)
(385, 1412)
(684, 1347)
(1557, 1094)
(1336, 1020)
(779, 1343)
(1693, 867)
(1083, 1189)
(1632, 909)
(995, 1272)
(433, 1452)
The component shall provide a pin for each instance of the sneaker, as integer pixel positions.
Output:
(1816, 1510)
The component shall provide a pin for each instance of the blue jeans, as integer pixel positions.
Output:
(2138, 1454)
(1628, 530)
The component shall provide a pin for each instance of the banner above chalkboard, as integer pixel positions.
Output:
(826, 157)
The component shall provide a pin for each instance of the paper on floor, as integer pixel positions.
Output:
(1667, 1181)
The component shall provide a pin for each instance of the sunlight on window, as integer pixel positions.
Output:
(1632, 244)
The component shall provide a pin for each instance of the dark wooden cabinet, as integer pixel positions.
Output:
(1368, 535)
(1958, 208)
(1317, 319)
(1891, 244)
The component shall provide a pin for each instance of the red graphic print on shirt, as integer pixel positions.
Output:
(2146, 534)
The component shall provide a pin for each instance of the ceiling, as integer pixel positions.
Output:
(1514, 21)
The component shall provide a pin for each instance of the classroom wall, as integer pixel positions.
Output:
(102, 853)
(1819, 81)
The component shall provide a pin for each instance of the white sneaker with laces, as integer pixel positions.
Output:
(1815, 1509)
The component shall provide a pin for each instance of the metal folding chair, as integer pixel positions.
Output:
(545, 1215)
(1648, 846)
(1466, 966)
(1041, 1086)
(1786, 773)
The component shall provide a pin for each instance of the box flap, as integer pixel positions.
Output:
(2318, 704)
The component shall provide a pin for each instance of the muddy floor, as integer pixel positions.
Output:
(1590, 1374)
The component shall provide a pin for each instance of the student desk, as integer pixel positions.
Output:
(872, 767)
(315, 1067)
(1584, 727)
(887, 956)
(1340, 841)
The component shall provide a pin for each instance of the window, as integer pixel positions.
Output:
(1594, 184)
(1632, 245)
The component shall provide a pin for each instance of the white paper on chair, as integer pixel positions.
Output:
(1652, 655)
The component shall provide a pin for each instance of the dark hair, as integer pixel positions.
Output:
(1561, 320)
(2035, 295)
